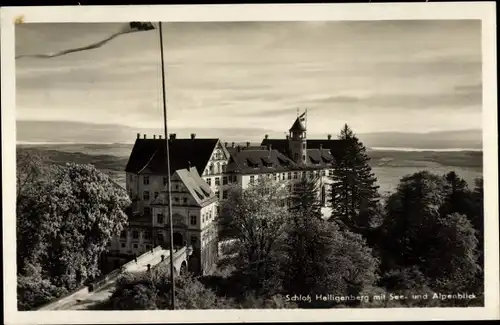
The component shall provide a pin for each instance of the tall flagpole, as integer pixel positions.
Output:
(306, 119)
(168, 171)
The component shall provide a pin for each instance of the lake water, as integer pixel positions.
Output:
(388, 177)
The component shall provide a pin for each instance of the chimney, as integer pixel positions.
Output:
(320, 146)
(248, 144)
(238, 148)
(172, 136)
(267, 136)
(225, 144)
(138, 135)
(329, 137)
(154, 136)
(232, 145)
(288, 137)
(144, 135)
(159, 136)
(193, 135)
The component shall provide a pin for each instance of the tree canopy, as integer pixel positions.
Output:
(66, 216)
(416, 233)
(354, 193)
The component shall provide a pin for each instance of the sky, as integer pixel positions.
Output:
(240, 80)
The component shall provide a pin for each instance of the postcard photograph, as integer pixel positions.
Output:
(233, 165)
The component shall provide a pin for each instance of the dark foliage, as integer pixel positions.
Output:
(354, 193)
(66, 215)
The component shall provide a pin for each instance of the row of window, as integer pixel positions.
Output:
(192, 219)
(294, 175)
(145, 179)
(225, 180)
(135, 234)
(160, 238)
(216, 168)
(209, 215)
(224, 194)
(124, 245)
(146, 197)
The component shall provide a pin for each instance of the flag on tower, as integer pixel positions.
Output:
(131, 27)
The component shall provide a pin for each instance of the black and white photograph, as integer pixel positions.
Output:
(297, 165)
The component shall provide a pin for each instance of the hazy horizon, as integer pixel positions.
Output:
(240, 81)
(40, 133)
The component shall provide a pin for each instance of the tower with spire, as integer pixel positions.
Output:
(297, 141)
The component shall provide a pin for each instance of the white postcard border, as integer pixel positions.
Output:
(265, 12)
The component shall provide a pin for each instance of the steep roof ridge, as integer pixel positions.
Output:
(192, 180)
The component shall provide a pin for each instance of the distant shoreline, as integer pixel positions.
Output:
(423, 149)
(34, 143)
(404, 149)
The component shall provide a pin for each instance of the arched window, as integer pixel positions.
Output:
(211, 168)
(218, 168)
(223, 167)
(323, 196)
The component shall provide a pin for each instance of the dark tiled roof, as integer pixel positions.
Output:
(298, 126)
(150, 155)
(279, 144)
(233, 150)
(319, 158)
(255, 161)
(336, 147)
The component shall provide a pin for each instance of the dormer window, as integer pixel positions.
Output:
(252, 163)
(267, 162)
(314, 161)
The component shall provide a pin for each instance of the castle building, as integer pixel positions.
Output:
(313, 158)
(194, 206)
(202, 171)
(196, 167)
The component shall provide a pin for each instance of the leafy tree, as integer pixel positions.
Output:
(477, 218)
(305, 199)
(152, 290)
(35, 290)
(317, 257)
(416, 233)
(411, 215)
(453, 266)
(459, 198)
(66, 215)
(256, 215)
(32, 176)
(407, 282)
(354, 193)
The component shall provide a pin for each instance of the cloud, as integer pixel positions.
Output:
(255, 75)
